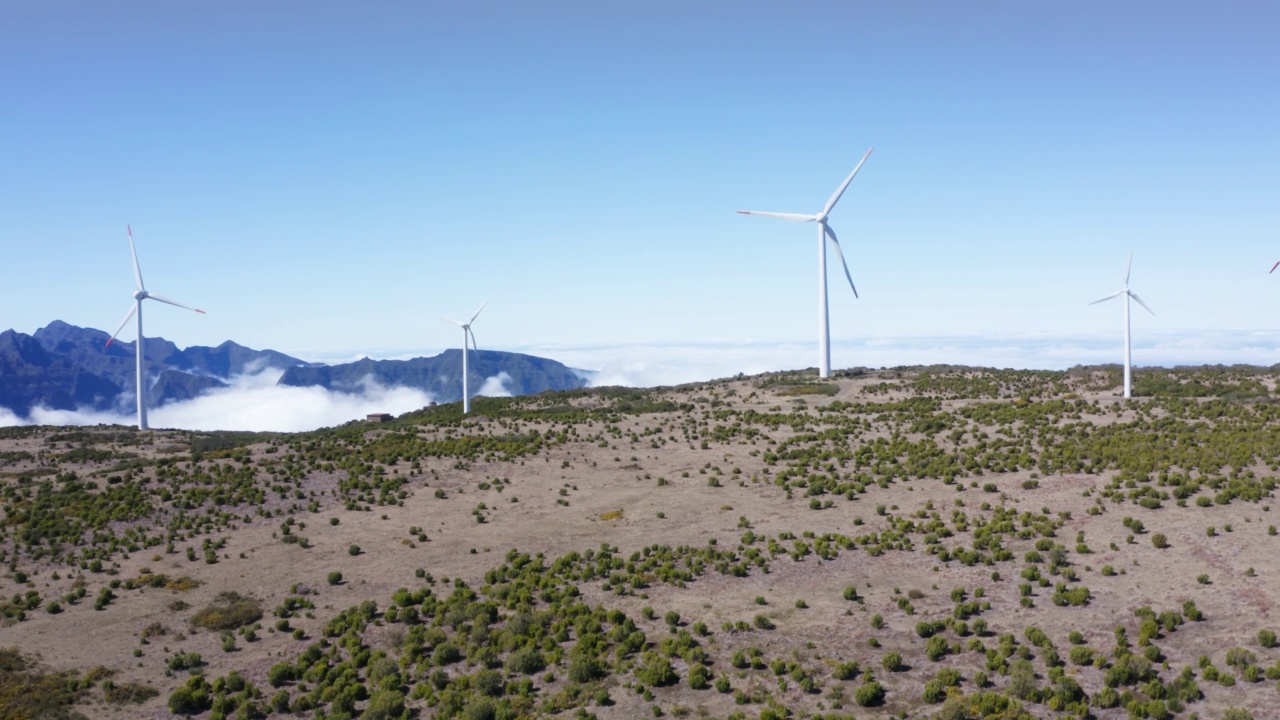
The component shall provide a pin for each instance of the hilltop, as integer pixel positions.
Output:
(916, 542)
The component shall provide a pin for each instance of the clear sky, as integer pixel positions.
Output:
(329, 178)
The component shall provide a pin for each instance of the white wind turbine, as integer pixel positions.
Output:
(466, 333)
(138, 296)
(824, 232)
(1127, 293)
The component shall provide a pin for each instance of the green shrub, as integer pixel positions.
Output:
(1081, 655)
(582, 669)
(334, 577)
(891, 661)
(1267, 638)
(869, 694)
(446, 653)
(656, 670)
(845, 670)
(281, 673)
(384, 705)
(936, 648)
(1238, 657)
(528, 661)
(186, 701)
(934, 692)
(699, 676)
(1159, 541)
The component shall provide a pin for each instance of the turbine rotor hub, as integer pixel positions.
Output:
(140, 295)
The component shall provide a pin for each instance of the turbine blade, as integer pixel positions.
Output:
(473, 340)
(1128, 267)
(1116, 294)
(137, 271)
(175, 303)
(1273, 267)
(840, 254)
(128, 316)
(473, 317)
(793, 217)
(1135, 297)
(455, 322)
(835, 197)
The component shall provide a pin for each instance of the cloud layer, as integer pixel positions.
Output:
(652, 365)
(256, 403)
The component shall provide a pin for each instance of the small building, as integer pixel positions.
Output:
(378, 417)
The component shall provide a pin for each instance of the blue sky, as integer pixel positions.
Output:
(328, 180)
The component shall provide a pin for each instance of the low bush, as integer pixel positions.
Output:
(891, 661)
(229, 611)
(869, 694)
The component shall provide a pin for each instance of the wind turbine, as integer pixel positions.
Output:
(138, 296)
(824, 231)
(466, 333)
(1127, 293)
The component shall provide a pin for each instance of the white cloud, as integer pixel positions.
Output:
(252, 402)
(7, 418)
(496, 386)
(653, 365)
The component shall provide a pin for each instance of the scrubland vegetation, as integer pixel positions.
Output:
(915, 543)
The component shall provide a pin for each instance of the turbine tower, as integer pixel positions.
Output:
(466, 333)
(824, 232)
(138, 296)
(1127, 293)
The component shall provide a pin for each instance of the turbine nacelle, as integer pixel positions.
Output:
(141, 295)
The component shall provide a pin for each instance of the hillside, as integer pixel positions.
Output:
(914, 543)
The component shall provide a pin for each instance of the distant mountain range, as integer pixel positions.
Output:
(64, 367)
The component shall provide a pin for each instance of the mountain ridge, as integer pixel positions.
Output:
(66, 367)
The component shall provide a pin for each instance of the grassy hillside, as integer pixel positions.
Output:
(917, 543)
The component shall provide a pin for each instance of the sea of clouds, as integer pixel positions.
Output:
(255, 403)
